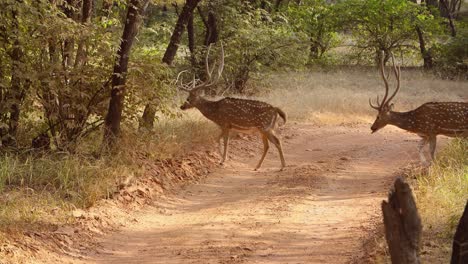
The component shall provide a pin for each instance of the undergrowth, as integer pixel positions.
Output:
(443, 192)
(43, 187)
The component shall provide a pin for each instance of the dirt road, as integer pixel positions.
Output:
(315, 211)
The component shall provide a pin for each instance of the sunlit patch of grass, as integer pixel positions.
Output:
(32, 185)
(443, 192)
(22, 208)
(74, 178)
(341, 97)
(172, 137)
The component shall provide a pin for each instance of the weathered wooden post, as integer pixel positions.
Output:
(402, 224)
(460, 240)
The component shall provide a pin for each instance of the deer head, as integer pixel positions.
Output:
(385, 106)
(196, 87)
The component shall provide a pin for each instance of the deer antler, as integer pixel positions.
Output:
(375, 107)
(209, 72)
(182, 85)
(397, 72)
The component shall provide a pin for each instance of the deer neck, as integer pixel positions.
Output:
(403, 120)
(206, 107)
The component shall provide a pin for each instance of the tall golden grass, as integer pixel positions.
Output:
(443, 191)
(342, 96)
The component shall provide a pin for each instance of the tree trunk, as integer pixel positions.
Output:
(182, 21)
(191, 41)
(211, 35)
(135, 9)
(277, 5)
(424, 52)
(316, 45)
(313, 50)
(15, 95)
(428, 63)
(447, 12)
(85, 19)
(402, 224)
(147, 119)
(176, 8)
(68, 44)
(460, 240)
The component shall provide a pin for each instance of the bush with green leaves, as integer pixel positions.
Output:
(256, 39)
(56, 71)
(318, 22)
(385, 25)
(452, 55)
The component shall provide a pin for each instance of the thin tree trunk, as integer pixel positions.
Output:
(191, 40)
(202, 17)
(448, 14)
(424, 52)
(277, 5)
(211, 32)
(211, 35)
(181, 24)
(68, 44)
(428, 63)
(16, 94)
(176, 8)
(85, 19)
(135, 9)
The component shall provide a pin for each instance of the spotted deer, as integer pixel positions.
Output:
(429, 120)
(242, 115)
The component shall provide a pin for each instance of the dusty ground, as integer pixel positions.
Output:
(318, 210)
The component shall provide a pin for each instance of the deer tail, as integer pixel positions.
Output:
(282, 114)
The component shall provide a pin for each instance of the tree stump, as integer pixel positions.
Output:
(460, 240)
(402, 224)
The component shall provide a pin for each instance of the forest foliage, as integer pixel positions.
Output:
(58, 56)
(76, 70)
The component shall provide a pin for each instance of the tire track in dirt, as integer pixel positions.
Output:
(315, 211)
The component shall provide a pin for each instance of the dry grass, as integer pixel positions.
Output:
(172, 137)
(342, 97)
(441, 197)
(37, 188)
(441, 194)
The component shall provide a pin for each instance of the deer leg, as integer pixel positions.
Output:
(266, 146)
(220, 145)
(225, 136)
(432, 146)
(421, 145)
(274, 139)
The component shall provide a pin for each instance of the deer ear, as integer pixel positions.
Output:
(390, 107)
